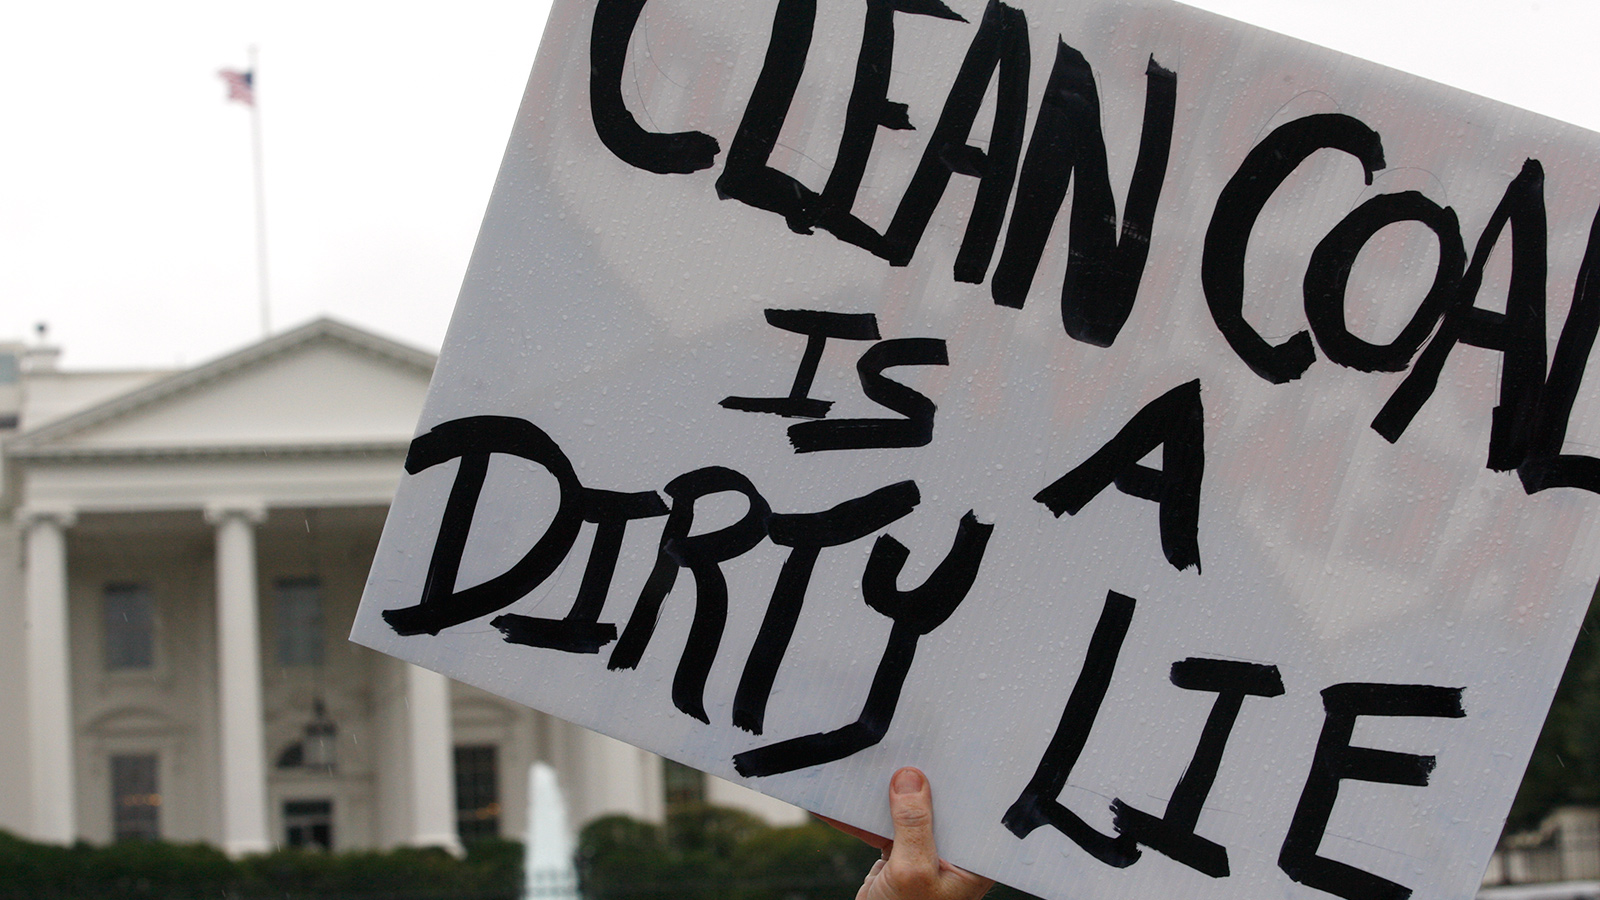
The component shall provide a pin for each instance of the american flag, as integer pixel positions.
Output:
(241, 85)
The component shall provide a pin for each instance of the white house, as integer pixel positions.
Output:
(180, 559)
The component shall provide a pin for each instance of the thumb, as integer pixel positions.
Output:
(911, 809)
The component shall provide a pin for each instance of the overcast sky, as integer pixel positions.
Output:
(126, 211)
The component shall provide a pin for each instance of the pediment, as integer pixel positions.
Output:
(325, 385)
(132, 721)
(480, 711)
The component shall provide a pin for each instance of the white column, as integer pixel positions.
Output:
(432, 760)
(50, 743)
(616, 779)
(652, 787)
(244, 782)
(771, 810)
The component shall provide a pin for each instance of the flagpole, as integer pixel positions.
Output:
(261, 202)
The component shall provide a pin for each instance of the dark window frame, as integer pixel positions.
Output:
(300, 606)
(683, 787)
(477, 777)
(128, 619)
(308, 823)
(135, 796)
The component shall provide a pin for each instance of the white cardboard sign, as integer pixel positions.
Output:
(1170, 436)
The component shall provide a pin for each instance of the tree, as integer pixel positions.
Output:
(1565, 768)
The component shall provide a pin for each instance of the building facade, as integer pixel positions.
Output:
(181, 556)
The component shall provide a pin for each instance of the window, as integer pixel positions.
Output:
(299, 603)
(308, 824)
(135, 798)
(477, 793)
(685, 787)
(130, 618)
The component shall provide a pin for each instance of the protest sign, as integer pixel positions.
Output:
(1171, 436)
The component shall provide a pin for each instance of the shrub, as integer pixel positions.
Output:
(492, 870)
(708, 853)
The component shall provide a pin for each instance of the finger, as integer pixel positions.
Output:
(972, 884)
(866, 885)
(877, 842)
(911, 809)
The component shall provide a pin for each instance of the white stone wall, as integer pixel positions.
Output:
(291, 449)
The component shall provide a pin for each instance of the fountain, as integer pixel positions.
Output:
(548, 867)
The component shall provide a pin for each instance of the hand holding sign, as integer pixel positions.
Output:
(911, 868)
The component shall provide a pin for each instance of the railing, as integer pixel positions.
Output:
(551, 885)
(1566, 847)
